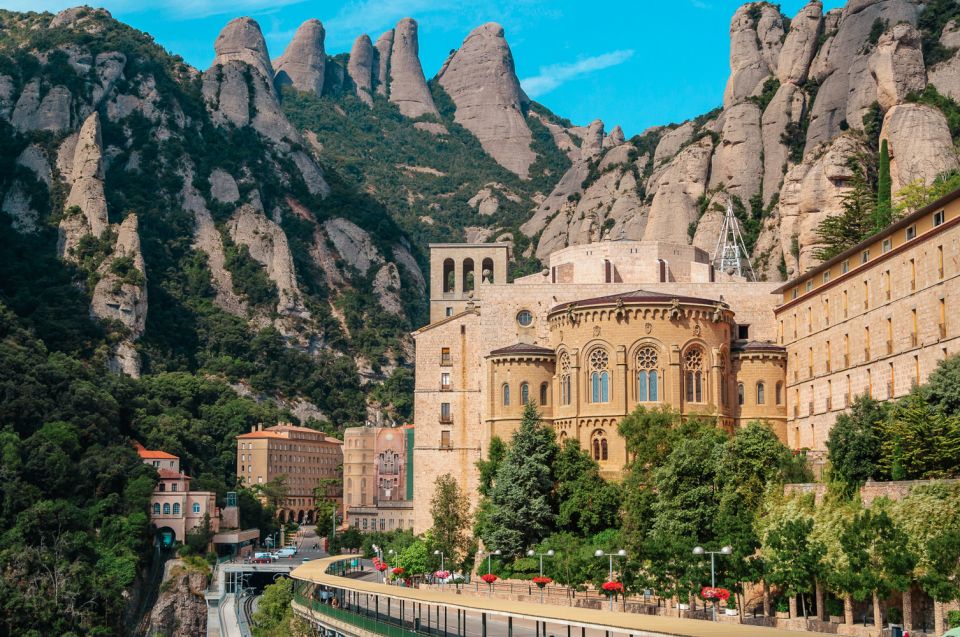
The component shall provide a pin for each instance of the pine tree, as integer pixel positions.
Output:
(883, 214)
(521, 501)
(839, 232)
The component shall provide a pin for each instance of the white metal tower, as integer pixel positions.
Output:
(731, 254)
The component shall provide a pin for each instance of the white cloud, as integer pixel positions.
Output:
(366, 16)
(174, 9)
(552, 76)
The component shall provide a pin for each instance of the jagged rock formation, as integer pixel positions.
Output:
(800, 44)
(787, 107)
(671, 143)
(408, 88)
(677, 187)
(384, 48)
(736, 163)
(756, 36)
(242, 41)
(85, 211)
(268, 246)
(180, 609)
(302, 64)
(946, 75)
(920, 144)
(52, 113)
(121, 295)
(360, 68)
(481, 81)
(897, 65)
(615, 138)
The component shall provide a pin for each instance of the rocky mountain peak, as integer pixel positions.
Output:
(85, 211)
(800, 44)
(481, 80)
(242, 40)
(302, 64)
(384, 48)
(756, 37)
(408, 87)
(360, 68)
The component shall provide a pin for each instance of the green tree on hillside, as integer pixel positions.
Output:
(522, 496)
(853, 446)
(839, 232)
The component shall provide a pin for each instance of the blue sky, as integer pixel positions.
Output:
(634, 63)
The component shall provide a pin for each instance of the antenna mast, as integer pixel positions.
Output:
(731, 254)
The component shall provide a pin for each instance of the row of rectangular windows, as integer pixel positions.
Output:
(176, 508)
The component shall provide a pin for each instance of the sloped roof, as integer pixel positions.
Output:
(756, 346)
(151, 454)
(523, 348)
(166, 474)
(636, 296)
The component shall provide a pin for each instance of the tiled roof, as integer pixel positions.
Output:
(166, 474)
(523, 348)
(150, 454)
(755, 346)
(636, 296)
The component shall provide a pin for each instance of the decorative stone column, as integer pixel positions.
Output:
(938, 623)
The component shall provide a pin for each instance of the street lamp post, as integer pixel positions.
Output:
(620, 553)
(727, 550)
(532, 553)
(379, 553)
(490, 556)
(440, 553)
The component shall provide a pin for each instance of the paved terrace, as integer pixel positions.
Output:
(369, 608)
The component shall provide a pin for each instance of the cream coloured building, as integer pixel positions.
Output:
(603, 328)
(302, 455)
(874, 320)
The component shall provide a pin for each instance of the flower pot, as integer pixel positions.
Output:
(732, 612)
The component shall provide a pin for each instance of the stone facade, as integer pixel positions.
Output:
(579, 339)
(174, 509)
(874, 320)
(304, 456)
(378, 477)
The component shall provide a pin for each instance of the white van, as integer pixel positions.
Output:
(263, 556)
(286, 552)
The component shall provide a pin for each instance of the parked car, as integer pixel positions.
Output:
(261, 560)
(286, 552)
(264, 556)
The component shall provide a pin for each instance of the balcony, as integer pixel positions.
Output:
(446, 419)
(446, 387)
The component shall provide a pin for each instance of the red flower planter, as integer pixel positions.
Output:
(489, 578)
(542, 581)
(715, 594)
(612, 588)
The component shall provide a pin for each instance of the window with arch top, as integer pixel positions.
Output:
(598, 445)
(176, 508)
(740, 393)
(524, 393)
(599, 376)
(156, 508)
(166, 508)
(693, 374)
(648, 385)
(544, 391)
(761, 390)
(565, 379)
(506, 395)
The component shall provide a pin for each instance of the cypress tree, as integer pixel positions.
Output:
(883, 212)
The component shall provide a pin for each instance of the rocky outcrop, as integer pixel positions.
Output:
(268, 246)
(481, 80)
(920, 144)
(360, 69)
(678, 187)
(800, 45)
(615, 138)
(737, 162)
(487, 199)
(945, 76)
(242, 41)
(756, 36)
(897, 65)
(34, 158)
(384, 48)
(52, 113)
(386, 285)
(353, 244)
(672, 141)
(847, 87)
(16, 203)
(85, 211)
(592, 137)
(181, 608)
(402, 256)
(121, 295)
(302, 64)
(788, 105)
(223, 187)
(811, 191)
(408, 88)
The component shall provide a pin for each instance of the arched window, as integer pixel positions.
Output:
(166, 508)
(524, 393)
(779, 393)
(156, 508)
(468, 275)
(739, 393)
(693, 374)
(648, 389)
(761, 390)
(598, 444)
(486, 270)
(506, 395)
(565, 379)
(599, 376)
(544, 390)
(196, 507)
(449, 276)
(176, 508)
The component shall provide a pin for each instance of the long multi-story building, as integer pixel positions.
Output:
(378, 477)
(873, 320)
(303, 456)
(604, 328)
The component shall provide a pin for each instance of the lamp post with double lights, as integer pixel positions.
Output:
(532, 553)
(490, 555)
(620, 553)
(726, 550)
